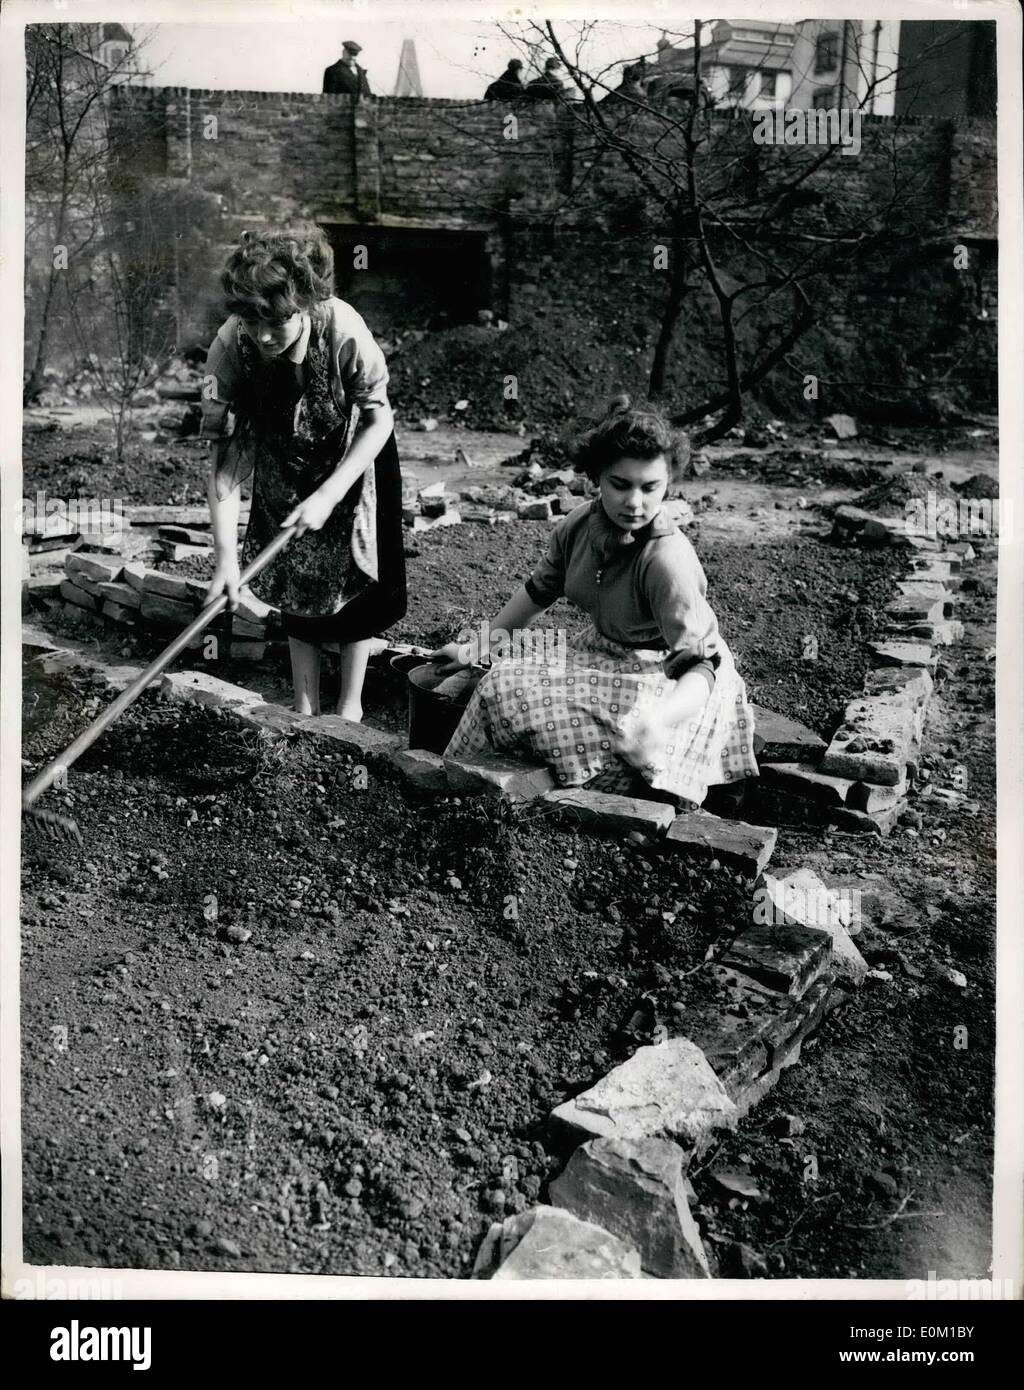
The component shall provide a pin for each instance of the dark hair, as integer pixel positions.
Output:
(628, 431)
(272, 275)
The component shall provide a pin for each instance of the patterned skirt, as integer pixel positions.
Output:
(568, 714)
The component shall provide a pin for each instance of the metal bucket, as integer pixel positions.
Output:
(433, 718)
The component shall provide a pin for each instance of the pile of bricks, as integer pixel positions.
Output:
(133, 595)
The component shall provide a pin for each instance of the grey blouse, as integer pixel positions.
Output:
(645, 589)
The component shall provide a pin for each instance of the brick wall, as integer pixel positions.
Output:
(446, 168)
(275, 155)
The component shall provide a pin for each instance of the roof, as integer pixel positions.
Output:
(116, 33)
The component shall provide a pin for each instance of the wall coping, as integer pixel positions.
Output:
(153, 95)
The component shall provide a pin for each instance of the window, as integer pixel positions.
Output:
(824, 98)
(737, 82)
(768, 84)
(826, 52)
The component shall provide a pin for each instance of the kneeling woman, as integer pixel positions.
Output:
(307, 385)
(650, 686)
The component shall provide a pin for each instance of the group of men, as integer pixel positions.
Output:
(347, 78)
(510, 85)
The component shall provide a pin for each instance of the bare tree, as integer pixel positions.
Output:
(764, 237)
(67, 83)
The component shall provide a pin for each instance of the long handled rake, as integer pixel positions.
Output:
(66, 827)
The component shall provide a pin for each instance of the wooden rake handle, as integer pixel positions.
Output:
(55, 769)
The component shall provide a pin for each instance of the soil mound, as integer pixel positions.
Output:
(890, 497)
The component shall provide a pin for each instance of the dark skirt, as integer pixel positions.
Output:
(384, 602)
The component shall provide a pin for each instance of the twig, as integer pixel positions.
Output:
(898, 1215)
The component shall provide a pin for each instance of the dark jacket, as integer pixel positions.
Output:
(341, 80)
(508, 86)
(545, 88)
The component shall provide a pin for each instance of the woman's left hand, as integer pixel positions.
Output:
(309, 515)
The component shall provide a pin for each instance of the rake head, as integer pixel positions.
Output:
(55, 826)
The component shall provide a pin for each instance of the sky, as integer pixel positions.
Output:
(457, 54)
(456, 59)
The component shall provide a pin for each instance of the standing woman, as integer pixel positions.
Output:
(306, 383)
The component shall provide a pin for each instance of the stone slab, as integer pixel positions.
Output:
(867, 796)
(805, 780)
(784, 957)
(606, 811)
(558, 1245)
(785, 808)
(158, 609)
(744, 847)
(252, 609)
(359, 739)
(497, 777)
(912, 684)
(537, 509)
(801, 899)
(92, 567)
(72, 594)
(118, 613)
(143, 514)
(904, 654)
(173, 586)
(120, 593)
(873, 742)
(134, 575)
(906, 609)
(203, 689)
(185, 535)
(667, 1091)
(421, 769)
(635, 1189)
(779, 739)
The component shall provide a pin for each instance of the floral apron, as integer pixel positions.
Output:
(291, 432)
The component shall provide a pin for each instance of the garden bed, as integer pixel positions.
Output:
(365, 1083)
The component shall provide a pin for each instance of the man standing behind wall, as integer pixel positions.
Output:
(346, 77)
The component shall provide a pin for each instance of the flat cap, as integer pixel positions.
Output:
(352, 46)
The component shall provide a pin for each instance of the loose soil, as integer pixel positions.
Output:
(291, 1104)
(362, 1086)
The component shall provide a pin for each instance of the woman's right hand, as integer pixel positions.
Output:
(226, 579)
(452, 657)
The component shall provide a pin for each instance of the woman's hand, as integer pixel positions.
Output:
(641, 739)
(226, 578)
(454, 656)
(311, 514)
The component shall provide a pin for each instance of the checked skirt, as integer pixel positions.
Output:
(567, 715)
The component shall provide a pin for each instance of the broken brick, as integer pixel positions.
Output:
(744, 847)
(634, 1188)
(668, 1090)
(783, 957)
(607, 811)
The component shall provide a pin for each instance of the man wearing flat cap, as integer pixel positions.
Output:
(346, 77)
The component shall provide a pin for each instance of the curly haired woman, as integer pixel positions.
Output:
(306, 385)
(649, 688)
